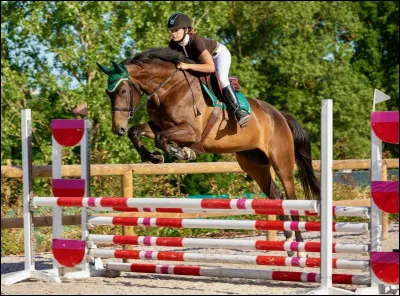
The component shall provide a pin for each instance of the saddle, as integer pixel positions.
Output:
(214, 84)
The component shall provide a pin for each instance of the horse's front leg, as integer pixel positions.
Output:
(134, 134)
(179, 133)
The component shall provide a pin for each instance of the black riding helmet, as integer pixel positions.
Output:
(179, 20)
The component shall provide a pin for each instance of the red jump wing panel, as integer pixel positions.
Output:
(68, 132)
(385, 266)
(68, 187)
(386, 126)
(386, 195)
(69, 252)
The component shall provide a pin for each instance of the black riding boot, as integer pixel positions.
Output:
(230, 95)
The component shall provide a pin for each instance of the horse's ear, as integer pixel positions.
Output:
(121, 69)
(117, 67)
(104, 69)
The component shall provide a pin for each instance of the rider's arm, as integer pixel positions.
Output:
(207, 63)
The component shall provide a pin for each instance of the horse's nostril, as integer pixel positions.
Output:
(122, 131)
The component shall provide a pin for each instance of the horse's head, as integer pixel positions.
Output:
(123, 95)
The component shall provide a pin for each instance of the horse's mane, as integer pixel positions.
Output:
(163, 53)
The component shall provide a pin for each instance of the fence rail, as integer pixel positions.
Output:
(174, 168)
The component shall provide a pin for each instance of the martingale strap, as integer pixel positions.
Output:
(198, 146)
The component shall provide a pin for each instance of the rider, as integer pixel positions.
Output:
(210, 56)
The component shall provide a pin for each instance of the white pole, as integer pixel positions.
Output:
(85, 175)
(376, 214)
(326, 192)
(26, 130)
(56, 174)
(376, 175)
(326, 287)
(57, 211)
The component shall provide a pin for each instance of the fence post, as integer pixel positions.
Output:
(126, 188)
(271, 234)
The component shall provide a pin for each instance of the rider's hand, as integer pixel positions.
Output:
(183, 66)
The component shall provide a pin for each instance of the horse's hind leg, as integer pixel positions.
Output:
(283, 163)
(257, 166)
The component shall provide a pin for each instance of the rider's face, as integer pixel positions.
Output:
(176, 34)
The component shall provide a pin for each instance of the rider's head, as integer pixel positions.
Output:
(179, 25)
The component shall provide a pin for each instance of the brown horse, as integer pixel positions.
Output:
(179, 112)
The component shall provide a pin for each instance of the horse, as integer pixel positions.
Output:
(179, 112)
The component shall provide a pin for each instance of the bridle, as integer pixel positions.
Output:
(131, 97)
(131, 109)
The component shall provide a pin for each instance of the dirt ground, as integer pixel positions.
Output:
(157, 284)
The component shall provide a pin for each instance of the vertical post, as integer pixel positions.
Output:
(126, 188)
(376, 175)
(385, 216)
(326, 193)
(85, 175)
(271, 234)
(127, 180)
(26, 129)
(57, 211)
(376, 214)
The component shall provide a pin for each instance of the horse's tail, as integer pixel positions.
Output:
(302, 148)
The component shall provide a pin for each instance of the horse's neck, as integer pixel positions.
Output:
(151, 78)
(178, 88)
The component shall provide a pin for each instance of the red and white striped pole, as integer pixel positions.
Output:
(226, 224)
(308, 277)
(227, 258)
(166, 205)
(261, 245)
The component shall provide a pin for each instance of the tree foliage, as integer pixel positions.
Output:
(291, 54)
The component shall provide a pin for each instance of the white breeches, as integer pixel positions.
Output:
(222, 61)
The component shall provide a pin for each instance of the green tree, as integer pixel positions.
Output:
(377, 48)
(290, 54)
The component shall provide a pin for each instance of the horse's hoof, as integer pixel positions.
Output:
(144, 157)
(189, 153)
(156, 157)
(290, 253)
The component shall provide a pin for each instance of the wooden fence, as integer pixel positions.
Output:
(126, 171)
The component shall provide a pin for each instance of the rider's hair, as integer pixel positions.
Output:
(192, 31)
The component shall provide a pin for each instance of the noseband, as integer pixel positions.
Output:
(131, 109)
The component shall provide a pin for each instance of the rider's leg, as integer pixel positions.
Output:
(241, 116)
(222, 61)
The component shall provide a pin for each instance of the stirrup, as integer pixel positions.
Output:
(241, 117)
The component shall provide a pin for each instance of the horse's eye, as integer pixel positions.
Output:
(123, 91)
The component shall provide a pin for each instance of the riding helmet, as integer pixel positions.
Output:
(179, 20)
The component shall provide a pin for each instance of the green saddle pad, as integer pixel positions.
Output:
(243, 103)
